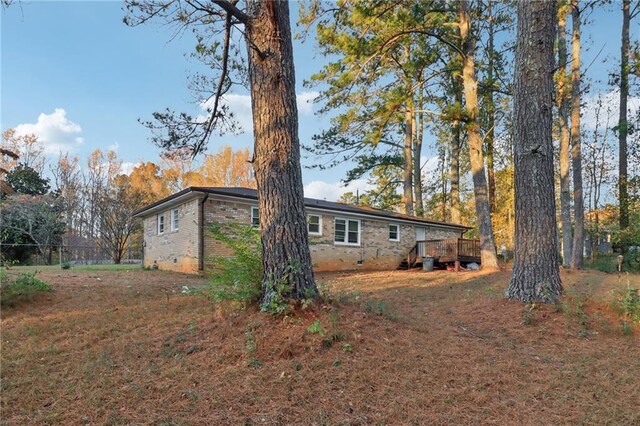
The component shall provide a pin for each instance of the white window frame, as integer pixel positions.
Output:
(397, 239)
(161, 224)
(346, 232)
(255, 213)
(175, 219)
(319, 233)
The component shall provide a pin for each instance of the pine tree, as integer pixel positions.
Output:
(535, 273)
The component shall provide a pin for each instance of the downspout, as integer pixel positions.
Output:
(201, 234)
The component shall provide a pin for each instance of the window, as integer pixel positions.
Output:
(394, 232)
(160, 223)
(255, 216)
(314, 224)
(347, 231)
(174, 219)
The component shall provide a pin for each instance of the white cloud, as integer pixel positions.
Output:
(113, 147)
(428, 164)
(240, 107)
(610, 108)
(127, 167)
(57, 133)
(305, 102)
(331, 191)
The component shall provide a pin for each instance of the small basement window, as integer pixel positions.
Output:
(174, 219)
(161, 223)
(255, 216)
(314, 224)
(394, 232)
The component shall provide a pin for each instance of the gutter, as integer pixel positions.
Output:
(309, 205)
(201, 234)
(337, 211)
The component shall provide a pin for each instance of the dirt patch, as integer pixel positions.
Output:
(394, 348)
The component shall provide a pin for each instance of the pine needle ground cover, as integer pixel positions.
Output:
(136, 347)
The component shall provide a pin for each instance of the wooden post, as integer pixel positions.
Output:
(457, 266)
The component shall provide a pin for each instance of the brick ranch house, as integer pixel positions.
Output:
(342, 237)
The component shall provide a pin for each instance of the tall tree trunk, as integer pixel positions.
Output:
(283, 225)
(488, 255)
(454, 162)
(622, 120)
(418, 131)
(407, 184)
(443, 180)
(563, 115)
(535, 275)
(491, 111)
(576, 154)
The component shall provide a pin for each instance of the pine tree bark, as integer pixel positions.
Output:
(535, 276)
(286, 256)
(454, 161)
(407, 173)
(563, 116)
(491, 111)
(418, 136)
(418, 129)
(622, 120)
(576, 150)
(488, 255)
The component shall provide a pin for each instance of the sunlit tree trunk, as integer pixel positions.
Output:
(283, 229)
(622, 120)
(491, 111)
(454, 161)
(407, 173)
(487, 245)
(418, 132)
(563, 116)
(576, 154)
(535, 275)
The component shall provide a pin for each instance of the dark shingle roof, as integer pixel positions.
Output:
(251, 194)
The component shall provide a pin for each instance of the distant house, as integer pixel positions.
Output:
(342, 237)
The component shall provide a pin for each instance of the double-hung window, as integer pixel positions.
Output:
(394, 232)
(347, 231)
(161, 223)
(314, 224)
(174, 219)
(255, 216)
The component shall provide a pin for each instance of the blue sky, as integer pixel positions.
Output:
(76, 75)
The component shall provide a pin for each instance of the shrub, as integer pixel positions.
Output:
(66, 265)
(237, 278)
(25, 287)
(316, 328)
(628, 304)
(379, 307)
(277, 290)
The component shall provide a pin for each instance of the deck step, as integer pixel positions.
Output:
(403, 266)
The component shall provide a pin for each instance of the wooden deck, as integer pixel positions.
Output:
(449, 250)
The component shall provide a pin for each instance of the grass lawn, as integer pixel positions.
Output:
(127, 347)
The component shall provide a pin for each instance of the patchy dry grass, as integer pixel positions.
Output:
(125, 347)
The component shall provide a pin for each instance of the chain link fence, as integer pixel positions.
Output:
(71, 254)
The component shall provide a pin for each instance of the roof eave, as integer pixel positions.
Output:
(180, 196)
(199, 191)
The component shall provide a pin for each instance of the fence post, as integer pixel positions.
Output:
(60, 255)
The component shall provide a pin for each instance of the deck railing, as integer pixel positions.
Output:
(412, 257)
(449, 248)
